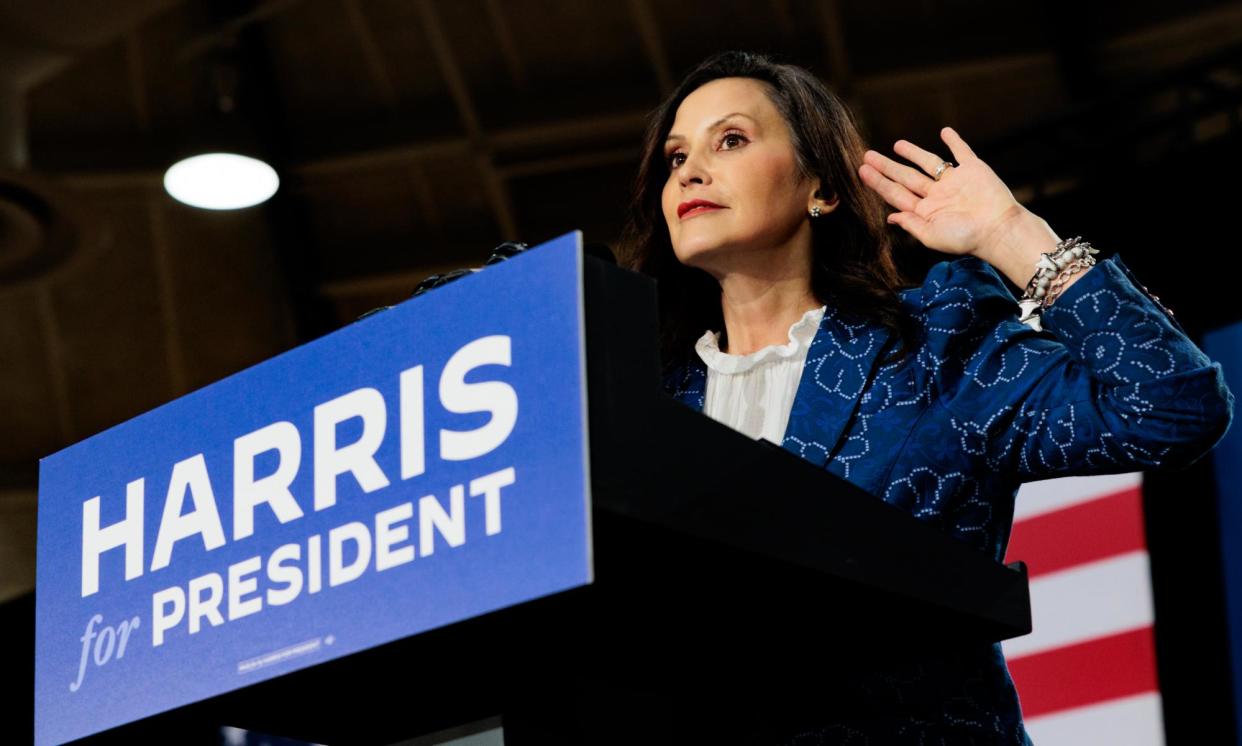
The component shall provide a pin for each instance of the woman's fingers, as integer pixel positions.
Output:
(893, 193)
(961, 151)
(912, 179)
(921, 158)
(928, 161)
(913, 224)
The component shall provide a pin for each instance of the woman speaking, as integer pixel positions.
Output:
(762, 218)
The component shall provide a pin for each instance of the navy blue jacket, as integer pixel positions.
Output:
(1112, 384)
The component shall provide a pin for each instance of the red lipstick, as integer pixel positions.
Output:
(696, 206)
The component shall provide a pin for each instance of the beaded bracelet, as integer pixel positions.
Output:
(1052, 272)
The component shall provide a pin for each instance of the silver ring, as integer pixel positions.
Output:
(940, 170)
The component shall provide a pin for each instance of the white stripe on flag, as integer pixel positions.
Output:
(1047, 495)
(1133, 721)
(1087, 601)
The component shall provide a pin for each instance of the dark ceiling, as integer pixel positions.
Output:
(414, 135)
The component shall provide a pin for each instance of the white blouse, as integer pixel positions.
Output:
(754, 393)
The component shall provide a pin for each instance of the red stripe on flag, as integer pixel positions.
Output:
(1085, 532)
(1078, 675)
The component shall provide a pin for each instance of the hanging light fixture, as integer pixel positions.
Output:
(221, 181)
(224, 170)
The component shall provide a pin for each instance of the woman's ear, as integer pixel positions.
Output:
(817, 198)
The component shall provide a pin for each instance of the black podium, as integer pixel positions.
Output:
(734, 582)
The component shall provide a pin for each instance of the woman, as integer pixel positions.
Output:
(784, 315)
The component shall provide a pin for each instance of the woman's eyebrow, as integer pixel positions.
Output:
(713, 125)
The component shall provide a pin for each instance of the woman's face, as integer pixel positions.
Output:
(729, 146)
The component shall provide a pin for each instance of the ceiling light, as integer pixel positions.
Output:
(221, 181)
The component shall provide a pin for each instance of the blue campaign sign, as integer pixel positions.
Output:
(422, 466)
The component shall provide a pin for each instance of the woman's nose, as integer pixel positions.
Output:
(693, 170)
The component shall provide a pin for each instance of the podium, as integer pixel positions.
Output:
(734, 585)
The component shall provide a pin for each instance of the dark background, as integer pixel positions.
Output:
(412, 136)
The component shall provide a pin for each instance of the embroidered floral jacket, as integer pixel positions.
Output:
(1112, 384)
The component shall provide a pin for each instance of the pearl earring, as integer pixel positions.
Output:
(815, 211)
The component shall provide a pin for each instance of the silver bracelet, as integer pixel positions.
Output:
(1051, 271)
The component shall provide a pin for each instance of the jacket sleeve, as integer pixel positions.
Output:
(1112, 384)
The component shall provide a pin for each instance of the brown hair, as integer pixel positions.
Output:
(852, 256)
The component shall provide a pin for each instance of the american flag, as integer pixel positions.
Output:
(1087, 673)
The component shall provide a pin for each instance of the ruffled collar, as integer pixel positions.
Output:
(800, 335)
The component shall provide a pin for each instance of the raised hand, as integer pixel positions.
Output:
(965, 212)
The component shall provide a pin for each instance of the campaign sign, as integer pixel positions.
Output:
(419, 467)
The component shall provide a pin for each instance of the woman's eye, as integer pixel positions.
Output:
(730, 141)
